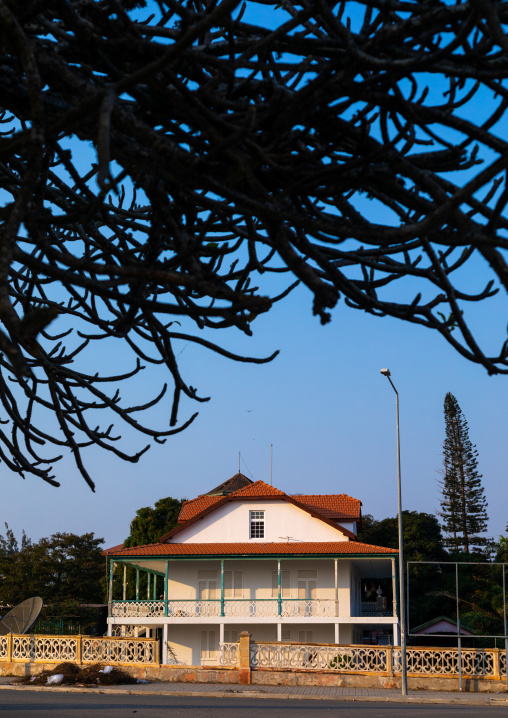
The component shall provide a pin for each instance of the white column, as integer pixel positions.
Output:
(124, 581)
(110, 629)
(279, 631)
(396, 634)
(221, 633)
(337, 633)
(165, 643)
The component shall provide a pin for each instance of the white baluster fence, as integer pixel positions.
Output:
(480, 663)
(243, 608)
(229, 654)
(78, 649)
(137, 609)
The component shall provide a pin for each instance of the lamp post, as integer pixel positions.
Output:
(386, 373)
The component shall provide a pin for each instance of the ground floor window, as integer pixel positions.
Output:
(305, 637)
(208, 645)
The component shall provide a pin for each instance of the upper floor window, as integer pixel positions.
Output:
(257, 524)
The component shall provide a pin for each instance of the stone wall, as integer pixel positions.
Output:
(276, 677)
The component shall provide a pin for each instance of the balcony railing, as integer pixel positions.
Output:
(243, 608)
(373, 608)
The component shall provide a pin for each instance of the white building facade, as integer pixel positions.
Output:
(284, 568)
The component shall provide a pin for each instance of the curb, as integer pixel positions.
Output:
(455, 700)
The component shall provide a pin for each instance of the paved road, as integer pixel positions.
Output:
(28, 704)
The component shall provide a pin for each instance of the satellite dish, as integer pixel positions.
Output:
(22, 617)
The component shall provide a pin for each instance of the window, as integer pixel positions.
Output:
(285, 633)
(233, 584)
(257, 524)
(285, 584)
(207, 585)
(304, 636)
(230, 636)
(307, 584)
(208, 646)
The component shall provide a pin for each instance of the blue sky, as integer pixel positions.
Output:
(324, 406)
(322, 403)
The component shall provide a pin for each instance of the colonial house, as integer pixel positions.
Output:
(247, 556)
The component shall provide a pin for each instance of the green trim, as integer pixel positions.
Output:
(279, 586)
(166, 590)
(258, 557)
(111, 570)
(222, 588)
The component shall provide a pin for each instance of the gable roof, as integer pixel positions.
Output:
(335, 506)
(332, 506)
(257, 490)
(464, 630)
(113, 549)
(325, 548)
(236, 482)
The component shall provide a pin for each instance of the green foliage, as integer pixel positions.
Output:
(463, 503)
(423, 541)
(60, 568)
(150, 524)
(341, 662)
(9, 544)
(422, 536)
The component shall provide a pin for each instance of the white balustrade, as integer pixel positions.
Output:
(59, 649)
(193, 609)
(308, 607)
(242, 608)
(119, 650)
(228, 655)
(249, 609)
(371, 608)
(317, 657)
(376, 659)
(140, 609)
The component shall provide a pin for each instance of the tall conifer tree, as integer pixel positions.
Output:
(463, 503)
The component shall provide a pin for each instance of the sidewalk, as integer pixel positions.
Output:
(221, 690)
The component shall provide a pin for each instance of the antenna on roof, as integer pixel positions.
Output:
(239, 456)
(271, 464)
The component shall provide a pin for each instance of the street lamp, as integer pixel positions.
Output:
(386, 373)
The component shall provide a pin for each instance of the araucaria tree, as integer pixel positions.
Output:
(170, 168)
(463, 504)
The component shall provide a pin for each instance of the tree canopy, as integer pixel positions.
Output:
(463, 503)
(170, 167)
(150, 524)
(62, 567)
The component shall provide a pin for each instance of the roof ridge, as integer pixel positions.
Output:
(252, 488)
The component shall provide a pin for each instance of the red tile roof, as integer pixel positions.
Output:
(242, 549)
(333, 506)
(113, 549)
(258, 488)
(196, 506)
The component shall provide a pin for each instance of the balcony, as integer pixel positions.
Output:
(375, 609)
(241, 608)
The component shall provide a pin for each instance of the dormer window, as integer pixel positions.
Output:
(257, 524)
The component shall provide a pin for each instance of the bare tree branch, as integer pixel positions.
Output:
(357, 148)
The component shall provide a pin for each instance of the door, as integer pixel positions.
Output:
(307, 591)
(208, 593)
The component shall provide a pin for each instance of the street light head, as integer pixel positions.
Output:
(385, 372)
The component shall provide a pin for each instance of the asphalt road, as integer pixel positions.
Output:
(21, 704)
